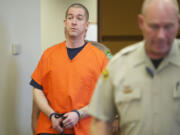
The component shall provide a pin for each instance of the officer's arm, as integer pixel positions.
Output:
(99, 127)
(35, 115)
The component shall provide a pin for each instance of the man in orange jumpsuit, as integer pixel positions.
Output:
(65, 78)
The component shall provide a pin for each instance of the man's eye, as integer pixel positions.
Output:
(155, 27)
(167, 27)
(69, 17)
(80, 18)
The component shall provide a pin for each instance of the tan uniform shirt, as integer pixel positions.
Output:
(146, 99)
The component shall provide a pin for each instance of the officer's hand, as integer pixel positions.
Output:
(115, 125)
(71, 119)
(56, 124)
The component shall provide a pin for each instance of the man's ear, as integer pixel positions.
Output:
(87, 25)
(64, 22)
(141, 21)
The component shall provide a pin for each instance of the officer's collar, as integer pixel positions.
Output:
(173, 56)
(140, 56)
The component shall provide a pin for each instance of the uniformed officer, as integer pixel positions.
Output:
(142, 82)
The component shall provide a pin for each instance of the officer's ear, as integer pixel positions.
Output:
(141, 21)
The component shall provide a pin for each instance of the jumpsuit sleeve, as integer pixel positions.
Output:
(41, 70)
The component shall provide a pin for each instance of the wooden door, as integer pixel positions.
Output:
(118, 23)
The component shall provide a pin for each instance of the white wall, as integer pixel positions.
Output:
(19, 23)
(52, 19)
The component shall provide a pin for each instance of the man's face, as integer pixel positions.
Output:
(76, 23)
(159, 25)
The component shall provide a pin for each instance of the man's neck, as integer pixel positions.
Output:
(74, 43)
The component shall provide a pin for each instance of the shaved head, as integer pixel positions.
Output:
(148, 3)
(159, 22)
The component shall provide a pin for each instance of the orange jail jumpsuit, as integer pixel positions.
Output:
(68, 84)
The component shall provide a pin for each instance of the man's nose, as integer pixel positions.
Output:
(161, 33)
(74, 21)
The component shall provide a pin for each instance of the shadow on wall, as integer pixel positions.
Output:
(8, 85)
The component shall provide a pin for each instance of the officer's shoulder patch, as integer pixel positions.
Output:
(105, 74)
(108, 54)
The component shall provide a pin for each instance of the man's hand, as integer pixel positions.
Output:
(70, 120)
(56, 124)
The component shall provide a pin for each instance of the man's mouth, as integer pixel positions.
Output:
(73, 29)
